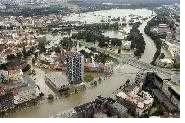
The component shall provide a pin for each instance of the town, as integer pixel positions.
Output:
(64, 59)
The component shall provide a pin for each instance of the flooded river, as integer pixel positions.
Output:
(106, 88)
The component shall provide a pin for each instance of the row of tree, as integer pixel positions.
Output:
(155, 21)
(137, 40)
(91, 36)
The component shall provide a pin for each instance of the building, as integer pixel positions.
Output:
(101, 107)
(15, 74)
(177, 58)
(173, 49)
(126, 45)
(163, 28)
(17, 91)
(108, 68)
(2, 59)
(6, 100)
(74, 67)
(93, 67)
(57, 80)
(136, 102)
(166, 63)
(29, 91)
(3, 76)
(163, 25)
(121, 110)
(66, 114)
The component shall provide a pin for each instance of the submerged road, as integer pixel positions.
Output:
(130, 59)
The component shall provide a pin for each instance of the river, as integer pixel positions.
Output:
(150, 47)
(121, 72)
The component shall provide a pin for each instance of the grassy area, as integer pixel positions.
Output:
(88, 77)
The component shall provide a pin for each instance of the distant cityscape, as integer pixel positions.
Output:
(89, 59)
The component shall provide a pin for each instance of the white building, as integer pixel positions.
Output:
(163, 25)
(15, 74)
(3, 76)
(166, 63)
(137, 102)
(2, 60)
(174, 49)
(126, 45)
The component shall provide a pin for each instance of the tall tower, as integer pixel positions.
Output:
(75, 67)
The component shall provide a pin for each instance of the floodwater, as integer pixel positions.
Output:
(106, 88)
(114, 34)
(97, 16)
(106, 15)
(48, 109)
(150, 48)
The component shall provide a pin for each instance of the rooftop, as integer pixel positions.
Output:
(139, 101)
(58, 79)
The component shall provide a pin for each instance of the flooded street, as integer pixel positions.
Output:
(107, 87)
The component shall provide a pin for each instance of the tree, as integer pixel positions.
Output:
(27, 68)
(57, 49)
(102, 58)
(88, 78)
(137, 40)
(41, 45)
(119, 51)
(33, 60)
(3, 79)
(24, 52)
(50, 97)
(177, 65)
(162, 55)
(86, 55)
(11, 57)
(67, 43)
(116, 42)
(19, 55)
